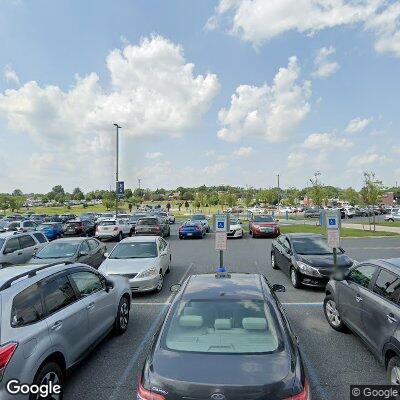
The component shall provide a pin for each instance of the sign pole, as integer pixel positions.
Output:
(221, 227)
(334, 260)
(221, 258)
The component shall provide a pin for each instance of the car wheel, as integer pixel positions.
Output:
(332, 314)
(120, 237)
(122, 319)
(160, 283)
(49, 372)
(169, 265)
(393, 371)
(391, 219)
(273, 261)
(295, 278)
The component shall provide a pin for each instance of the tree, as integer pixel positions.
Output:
(351, 195)
(317, 192)
(128, 193)
(77, 194)
(248, 199)
(139, 192)
(17, 192)
(109, 200)
(371, 190)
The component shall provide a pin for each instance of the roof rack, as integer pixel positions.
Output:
(30, 273)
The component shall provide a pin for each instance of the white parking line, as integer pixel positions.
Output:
(149, 303)
(302, 304)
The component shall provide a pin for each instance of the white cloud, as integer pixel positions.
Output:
(153, 155)
(215, 169)
(210, 153)
(324, 67)
(357, 125)
(257, 21)
(324, 141)
(10, 75)
(244, 152)
(367, 159)
(305, 160)
(273, 112)
(154, 91)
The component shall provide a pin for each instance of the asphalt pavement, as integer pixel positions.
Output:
(333, 360)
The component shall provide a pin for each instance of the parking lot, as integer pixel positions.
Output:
(333, 360)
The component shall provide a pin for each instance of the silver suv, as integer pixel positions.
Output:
(18, 248)
(51, 316)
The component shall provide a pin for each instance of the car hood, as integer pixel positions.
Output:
(265, 223)
(235, 226)
(127, 266)
(260, 376)
(325, 261)
(50, 260)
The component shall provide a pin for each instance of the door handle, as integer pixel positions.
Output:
(358, 298)
(19, 254)
(391, 318)
(90, 306)
(57, 325)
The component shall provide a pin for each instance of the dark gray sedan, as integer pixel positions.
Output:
(225, 337)
(84, 250)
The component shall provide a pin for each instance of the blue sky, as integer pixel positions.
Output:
(55, 129)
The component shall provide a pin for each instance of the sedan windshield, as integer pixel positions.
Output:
(58, 250)
(263, 218)
(223, 326)
(148, 221)
(107, 223)
(198, 218)
(311, 246)
(134, 250)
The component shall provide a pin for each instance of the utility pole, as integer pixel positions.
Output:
(279, 194)
(139, 180)
(116, 171)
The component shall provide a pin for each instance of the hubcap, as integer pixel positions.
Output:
(160, 283)
(332, 313)
(124, 315)
(273, 260)
(294, 277)
(395, 375)
(50, 377)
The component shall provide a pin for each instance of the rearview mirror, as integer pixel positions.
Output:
(109, 285)
(339, 275)
(175, 288)
(278, 288)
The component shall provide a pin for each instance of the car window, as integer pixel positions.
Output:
(12, 245)
(40, 237)
(2, 241)
(27, 307)
(87, 282)
(84, 247)
(58, 293)
(26, 241)
(362, 275)
(93, 244)
(388, 285)
(163, 245)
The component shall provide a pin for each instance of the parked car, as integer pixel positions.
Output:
(394, 215)
(314, 212)
(56, 314)
(52, 230)
(201, 218)
(306, 258)
(204, 331)
(133, 219)
(263, 225)
(143, 260)
(235, 228)
(113, 229)
(171, 218)
(152, 226)
(18, 248)
(192, 229)
(83, 250)
(22, 226)
(365, 299)
(77, 227)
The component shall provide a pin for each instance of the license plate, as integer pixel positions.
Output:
(190, 234)
(266, 229)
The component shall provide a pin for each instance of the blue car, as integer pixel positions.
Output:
(52, 230)
(192, 229)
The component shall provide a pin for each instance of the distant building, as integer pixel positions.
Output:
(388, 199)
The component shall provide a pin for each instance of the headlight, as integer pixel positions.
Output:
(148, 272)
(256, 226)
(308, 269)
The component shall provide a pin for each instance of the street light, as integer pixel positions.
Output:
(116, 171)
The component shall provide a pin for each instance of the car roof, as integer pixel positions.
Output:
(70, 240)
(235, 286)
(5, 235)
(142, 239)
(392, 264)
(304, 235)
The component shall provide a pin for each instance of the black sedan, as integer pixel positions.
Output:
(306, 258)
(84, 250)
(225, 337)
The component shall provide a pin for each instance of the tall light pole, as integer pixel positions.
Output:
(279, 193)
(139, 180)
(116, 171)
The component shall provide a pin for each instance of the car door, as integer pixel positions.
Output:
(84, 253)
(163, 254)
(100, 304)
(12, 252)
(381, 310)
(28, 248)
(351, 293)
(66, 317)
(96, 253)
(279, 249)
(286, 255)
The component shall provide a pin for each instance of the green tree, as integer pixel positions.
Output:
(128, 193)
(17, 192)
(351, 195)
(77, 194)
(370, 192)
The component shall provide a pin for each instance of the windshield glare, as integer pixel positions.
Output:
(147, 221)
(134, 250)
(263, 218)
(198, 217)
(58, 250)
(309, 246)
(223, 326)
(107, 223)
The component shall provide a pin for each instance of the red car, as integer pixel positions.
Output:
(264, 226)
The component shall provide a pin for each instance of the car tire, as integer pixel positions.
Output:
(332, 314)
(49, 372)
(160, 285)
(168, 270)
(295, 278)
(122, 319)
(390, 219)
(273, 261)
(393, 371)
(120, 237)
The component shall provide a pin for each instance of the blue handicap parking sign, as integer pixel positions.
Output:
(332, 221)
(221, 225)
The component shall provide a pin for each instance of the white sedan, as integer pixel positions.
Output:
(143, 260)
(235, 228)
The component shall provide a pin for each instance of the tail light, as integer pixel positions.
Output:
(116, 228)
(144, 394)
(304, 394)
(158, 227)
(6, 352)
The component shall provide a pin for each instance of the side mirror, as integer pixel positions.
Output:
(106, 255)
(278, 288)
(109, 285)
(277, 220)
(339, 275)
(175, 288)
